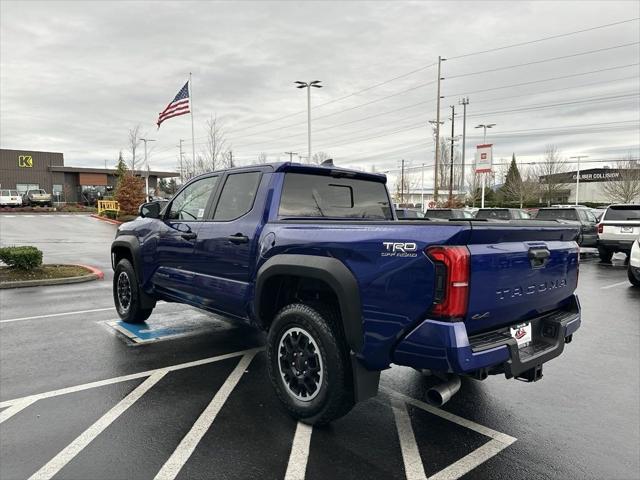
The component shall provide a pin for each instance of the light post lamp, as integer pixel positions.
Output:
(484, 126)
(146, 161)
(578, 157)
(308, 85)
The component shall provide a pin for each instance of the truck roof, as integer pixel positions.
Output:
(329, 170)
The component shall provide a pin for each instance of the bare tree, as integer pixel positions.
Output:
(134, 143)
(404, 186)
(215, 153)
(320, 157)
(548, 172)
(262, 158)
(625, 188)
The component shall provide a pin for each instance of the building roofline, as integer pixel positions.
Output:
(112, 171)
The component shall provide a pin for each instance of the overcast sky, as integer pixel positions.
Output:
(75, 76)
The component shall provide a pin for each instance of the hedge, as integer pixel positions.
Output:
(21, 258)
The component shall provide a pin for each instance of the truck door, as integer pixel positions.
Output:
(226, 245)
(175, 260)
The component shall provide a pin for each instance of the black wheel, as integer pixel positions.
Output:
(605, 255)
(635, 281)
(126, 294)
(309, 364)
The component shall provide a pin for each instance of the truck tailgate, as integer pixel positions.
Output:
(519, 270)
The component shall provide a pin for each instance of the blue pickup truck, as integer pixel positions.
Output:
(315, 256)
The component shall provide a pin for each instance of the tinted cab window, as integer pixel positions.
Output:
(322, 196)
(557, 214)
(237, 196)
(190, 204)
(501, 214)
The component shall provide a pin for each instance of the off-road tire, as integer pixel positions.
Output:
(335, 395)
(129, 311)
(635, 281)
(605, 254)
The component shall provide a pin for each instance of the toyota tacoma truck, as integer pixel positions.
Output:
(315, 256)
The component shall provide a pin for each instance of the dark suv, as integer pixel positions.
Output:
(577, 215)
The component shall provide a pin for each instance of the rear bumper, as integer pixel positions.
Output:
(617, 245)
(446, 347)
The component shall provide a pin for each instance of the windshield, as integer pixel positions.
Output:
(557, 214)
(623, 212)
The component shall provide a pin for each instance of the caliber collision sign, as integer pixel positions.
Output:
(484, 158)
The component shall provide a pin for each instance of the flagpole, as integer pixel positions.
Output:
(193, 140)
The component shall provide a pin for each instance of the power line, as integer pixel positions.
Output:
(545, 80)
(551, 37)
(536, 62)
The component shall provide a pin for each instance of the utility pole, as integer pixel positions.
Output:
(464, 102)
(291, 154)
(579, 157)
(402, 183)
(453, 122)
(231, 165)
(435, 178)
(181, 179)
(146, 161)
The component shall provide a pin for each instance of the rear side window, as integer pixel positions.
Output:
(237, 196)
(557, 214)
(623, 212)
(499, 214)
(306, 195)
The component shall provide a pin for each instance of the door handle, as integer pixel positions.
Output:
(238, 238)
(189, 236)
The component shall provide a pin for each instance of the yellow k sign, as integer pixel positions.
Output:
(25, 161)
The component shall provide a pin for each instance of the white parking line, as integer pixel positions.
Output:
(614, 285)
(50, 315)
(499, 441)
(74, 448)
(297, 466)
(413, 468)
(124, 378)
(179, 457)
(15, 408)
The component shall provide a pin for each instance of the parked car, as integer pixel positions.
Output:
(37, 197)
(447, 213)
(581, 216)
(408, 214)
(633, 269)
(597, 212)
(10, 198)
(503, 214)
(312, 254)
(618, 229)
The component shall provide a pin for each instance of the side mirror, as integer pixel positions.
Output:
(150, 210)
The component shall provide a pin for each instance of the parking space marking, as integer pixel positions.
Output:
(74, 448)
(413, 467)
(124, 378)
(499, 441)
(614, 285)
(470, 461)
(181, 454)
(15, 408)
(297, 466)
(50, 315)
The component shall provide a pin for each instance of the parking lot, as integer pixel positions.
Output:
(82, 396)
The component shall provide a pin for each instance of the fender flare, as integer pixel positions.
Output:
(332, 272)
(130, 243)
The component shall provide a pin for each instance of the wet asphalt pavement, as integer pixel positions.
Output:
(81, 400)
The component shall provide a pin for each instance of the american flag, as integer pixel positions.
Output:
(178, 106)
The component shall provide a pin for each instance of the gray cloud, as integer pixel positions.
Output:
(74, 76)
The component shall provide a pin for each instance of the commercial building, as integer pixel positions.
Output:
(24, 170)
(592, 186)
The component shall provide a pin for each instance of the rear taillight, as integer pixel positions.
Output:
(451, 280)
(600, 228)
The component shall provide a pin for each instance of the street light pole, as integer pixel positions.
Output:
(453, 122)
(435, 176)
(579, 157)
(464, 102)
(146, 161)
(308, 85)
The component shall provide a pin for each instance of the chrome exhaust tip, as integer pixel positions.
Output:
(442, 393)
